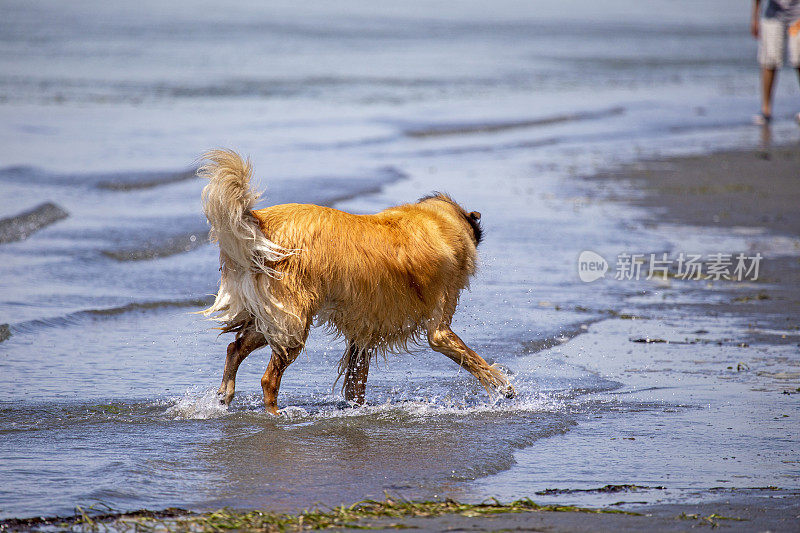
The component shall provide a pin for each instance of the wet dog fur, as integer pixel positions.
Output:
(381, 281)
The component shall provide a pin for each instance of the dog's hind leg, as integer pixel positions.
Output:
(246, 341)
(278, 363)
(355, 377)
(443, 340)
(271, 380)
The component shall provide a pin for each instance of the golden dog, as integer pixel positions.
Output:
(381, 281)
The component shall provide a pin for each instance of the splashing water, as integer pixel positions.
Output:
(197, 406)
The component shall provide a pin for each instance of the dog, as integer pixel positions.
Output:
(380, 281)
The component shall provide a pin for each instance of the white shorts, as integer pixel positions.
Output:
(772, 42)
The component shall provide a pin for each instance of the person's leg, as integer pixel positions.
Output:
(794, 51)
(771, 42)
(767, 86)
(797, 115)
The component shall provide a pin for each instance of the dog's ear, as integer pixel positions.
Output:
(475, 215)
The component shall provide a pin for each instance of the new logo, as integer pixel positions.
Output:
(591, 266)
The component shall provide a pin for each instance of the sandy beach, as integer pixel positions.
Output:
(743, 191)
(608, 147)
(751, 511)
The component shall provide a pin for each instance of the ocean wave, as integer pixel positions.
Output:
(120, 181)
(19, 227)
(165, 247)
(66, 89)
(147, 180)
(78, 317)
(484, 148)
(332, 190)
(17, 418)
(564, 335)
(489, 126)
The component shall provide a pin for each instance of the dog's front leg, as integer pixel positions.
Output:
(238, 350)
(443, 340)
(355, 378)
(271, 381)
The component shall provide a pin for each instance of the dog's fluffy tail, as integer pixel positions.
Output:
(246, 254)
(227, 203)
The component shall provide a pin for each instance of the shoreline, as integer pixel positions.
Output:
(748, 187)
(767, 508)
(674, 190)
(750, 193)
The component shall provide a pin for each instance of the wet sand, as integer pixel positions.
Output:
(737, 512)
(738, 192)
(746, 188)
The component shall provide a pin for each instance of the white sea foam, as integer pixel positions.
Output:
(204, 404)
(434, 406)
(196, 405)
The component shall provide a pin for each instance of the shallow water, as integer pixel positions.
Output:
(107, 377)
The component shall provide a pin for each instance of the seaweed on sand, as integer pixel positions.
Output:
(352, 516)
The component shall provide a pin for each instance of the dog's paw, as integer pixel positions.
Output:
(508, 391)
(499, 381)
(225, 392)
(224, 397)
